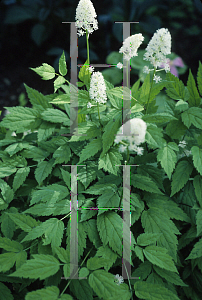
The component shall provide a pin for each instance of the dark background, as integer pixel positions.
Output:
(31, 33)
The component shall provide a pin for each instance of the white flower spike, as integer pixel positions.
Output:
(97, 89)
(130, 46)
(86, 17)
(159, 46)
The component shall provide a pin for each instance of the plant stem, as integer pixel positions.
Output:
(88, 58)
(99, 116)
(150, 88)
(127, 73)
(76, 272)
(129, 283)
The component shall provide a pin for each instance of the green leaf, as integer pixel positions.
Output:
(197, 158)
(45, 71)
(62, 154)
(194, 98)
(107, 253)
(144, 183)
(110, 131)
(142, 271)
(168, 158)
(15, 147)
(154, 173)
(198, 188)
(196, 251)
(9, 245)
(20, 177)
(139, 253)
(5, 293)
(154, 136)
(158, 118)
(176, 129)
(144, 90)
(180, 176)
(81, 289)
(193, 116)
(19, 118)
(42, 171)
(51, 228)
(63, 254)
(61, 99)
(50, 292)
(199, 78)
(159, 257)
(199, 222)
(93, 233)
(110, 160)
(42, 266)
(95, 263)
(155, 220)
(62, 65)
(43, 209)
(37, 99)
(88, 130)
(7, 171)
(7, 261)
(113, 232)
(104, 286)
(58, 82)
(150, 291)
(45, 130)
(181, 106)
(136, 108)
(90, 149)
(175, 88)
(26, 223)
(169, 276)
(84, 272)
(145, 239)
(7, 225)
(55, 116)
(36, 153)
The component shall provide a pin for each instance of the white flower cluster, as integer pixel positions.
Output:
(86, 17)
(158, 47)
(97, 89)
(130, 46)
(118, 279)
(138, 130)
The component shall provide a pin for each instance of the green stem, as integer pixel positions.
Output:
(127, 73)
(88, 58)
(150, 88)
(63, 77)
(76, 272)
(99, 116)
(129, 282)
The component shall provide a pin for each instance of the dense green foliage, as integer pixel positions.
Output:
(166, 193)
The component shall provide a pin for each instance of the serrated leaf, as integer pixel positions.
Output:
(26, 223)
(95, 263)
(88, 130)
(42, 266)
(150, 291)
(46, 71)
(176, 129)
(42, 171)
(158, 118)
(169, 276)
(197, 158)
(154, 136)
(110, 160)
(36, 98)
(196, 251)
(62, 254)
(167, 158)
(199, 222)
(142, 271)
(58, 82)
(107, 253)
(194, 98)
(155, 220)
(180, 176)
(110, 130)
(175, 88)
(36, 153)
(159, 257)
(20, 177)
(146, 239)
(81, 289)
(181, 106)
(50, 292)
(113, 231)
(55, 116)
(144, 183)
(104, 286)
(90, 149)
(62, 154)
(139, 253)
(136, 108)
(62, 65)
(19, 118)
(93, 233)
(193, 115)
(7, 171)
(7, 261)
(144, 90)
(45, 130)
